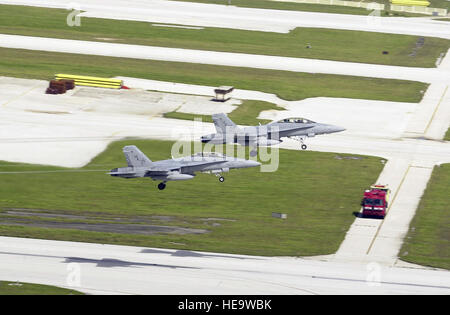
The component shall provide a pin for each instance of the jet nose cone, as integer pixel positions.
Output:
(333, 129)
(205, 139)
(250, 163)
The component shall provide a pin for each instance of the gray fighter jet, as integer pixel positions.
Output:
(266, 135)
(182, 168)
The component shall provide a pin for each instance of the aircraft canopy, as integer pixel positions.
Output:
(208, 154)
(296, 120)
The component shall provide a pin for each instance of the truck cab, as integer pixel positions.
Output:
(374, 203)
(384, 188)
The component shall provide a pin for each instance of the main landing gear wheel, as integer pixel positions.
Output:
(304, 146)
(221, 179)
(161, 186)
(253, 153)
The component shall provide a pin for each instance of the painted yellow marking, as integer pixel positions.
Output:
(19, 96)
(435, 110)
(389, 207)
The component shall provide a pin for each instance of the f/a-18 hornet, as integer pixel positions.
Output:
(139, 165)
(266, 135)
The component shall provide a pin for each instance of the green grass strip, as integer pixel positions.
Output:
(428, 239)
(308, 186)
(244, 114)
(308, 7)
(19, 288)
(447, 135)
(327, 44)
(287, 85)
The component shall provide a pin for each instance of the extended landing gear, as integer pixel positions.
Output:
(253, 153)
(301, 140)
(221, 178)
(161, 186)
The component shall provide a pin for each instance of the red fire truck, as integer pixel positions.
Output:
(375, 201)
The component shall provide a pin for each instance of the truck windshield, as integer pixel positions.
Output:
(373, 202)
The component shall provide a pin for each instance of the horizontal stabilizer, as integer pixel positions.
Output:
(127, 172)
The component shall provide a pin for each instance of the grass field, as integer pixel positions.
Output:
(447, 135)
(244, 114)
(428, 240)
(287, 85)
(277, 5)
(433, 4)
(14, 288)
(318, 191)
(291, 6)
(439, 4)
(189, 116)
(329, 44)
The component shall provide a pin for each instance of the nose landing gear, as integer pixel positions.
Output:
(301, 140)
(161, 186)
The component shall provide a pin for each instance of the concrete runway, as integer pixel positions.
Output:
(185, 13)
(33, 122)
(108, 269)
(428, 75)
(69, 130)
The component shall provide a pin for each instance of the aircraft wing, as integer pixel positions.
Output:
(293, 128)
(189, 168)
(157, 173)
(196, 166)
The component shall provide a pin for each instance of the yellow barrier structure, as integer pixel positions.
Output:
(420, 10)
(92, 81)
(356, 4)
(411, 2)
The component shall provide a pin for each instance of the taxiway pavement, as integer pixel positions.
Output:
(428, 75)
(209, 15)
(110, 269)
